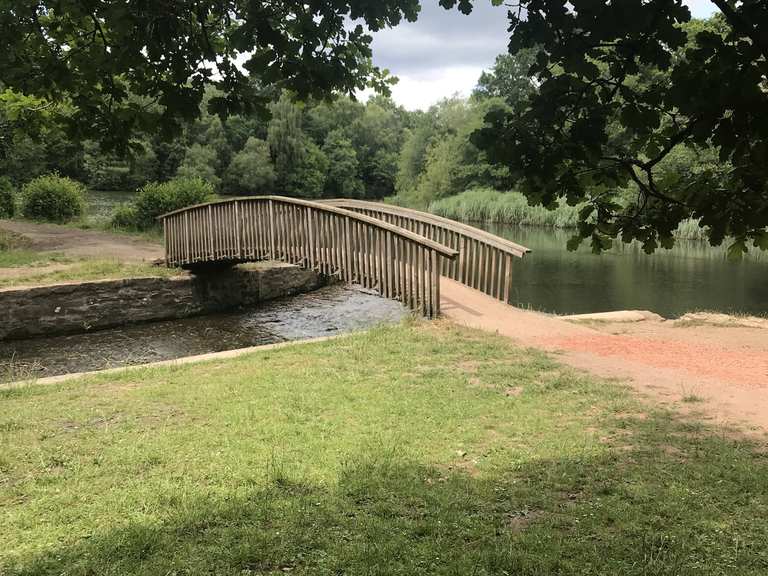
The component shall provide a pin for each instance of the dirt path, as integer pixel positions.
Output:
(721, 371)
(84, 243)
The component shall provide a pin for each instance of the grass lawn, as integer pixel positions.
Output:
(416, 449)
(20, 266)
(79, 270)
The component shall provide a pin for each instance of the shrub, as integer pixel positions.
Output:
(124, 216)
(7, 204)
(156, 198)
(53, 198)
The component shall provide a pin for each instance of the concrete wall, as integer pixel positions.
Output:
(73, 308)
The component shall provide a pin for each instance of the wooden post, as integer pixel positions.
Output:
(272, 254)
(435, 266)
(507, 278)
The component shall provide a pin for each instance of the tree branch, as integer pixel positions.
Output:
(743, 26)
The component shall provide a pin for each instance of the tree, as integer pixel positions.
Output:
(509, 78)
(342, 180)
(623, 85)
(377, 137)
(251, 170)
(200, 162)
(308, 178)
(142, 66)
(439, 160)
(287, 141)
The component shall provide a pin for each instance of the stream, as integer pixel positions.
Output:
(328, 311)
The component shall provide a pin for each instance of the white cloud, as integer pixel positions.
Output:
(444, 52)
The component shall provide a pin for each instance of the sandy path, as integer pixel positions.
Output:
(84, 243)
(724, 370)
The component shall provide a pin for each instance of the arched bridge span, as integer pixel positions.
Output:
(398, 252)
(395, 262)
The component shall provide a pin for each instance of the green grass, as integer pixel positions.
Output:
(416, 449)
(487, 205)
(494, 206)
(31, 267)
(83, 270)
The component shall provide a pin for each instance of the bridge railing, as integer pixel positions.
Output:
(484, 261)
(396, 262)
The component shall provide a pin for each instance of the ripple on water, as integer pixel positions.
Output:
(327, 311)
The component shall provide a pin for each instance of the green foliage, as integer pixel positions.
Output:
(199, 162)
(621, 87)
(488, 205)
(157, 198)
(342, 180)
(438, 159)
(509, 79)
(308, 176)
(53, 198)
(137, 67)
(287, 141)
(124, 216)
(7, 198)
(251, 170)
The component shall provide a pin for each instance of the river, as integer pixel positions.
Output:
(691, 276)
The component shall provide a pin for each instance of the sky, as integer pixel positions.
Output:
(444, 52)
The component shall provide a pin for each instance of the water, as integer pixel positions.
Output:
(102, 203)
(324, 312)
(691, 276)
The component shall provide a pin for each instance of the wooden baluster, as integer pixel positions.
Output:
(238, 230)
(335, 244)
(291, 233)
(507, 278)
(186, 237)
(429, 280)
(383, 279)
(312, 238)
(436, 283)
(405, 275)
(368, 256)
(416, 279)
(390, 264)
(413, 293)
(271, 220)
(348, 249)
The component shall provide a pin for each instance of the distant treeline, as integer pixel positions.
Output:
(345, 148)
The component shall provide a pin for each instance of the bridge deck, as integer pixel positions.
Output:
(400, 253)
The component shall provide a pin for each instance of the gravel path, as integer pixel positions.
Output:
(719, 371)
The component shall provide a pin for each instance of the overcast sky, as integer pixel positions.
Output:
(444, 52)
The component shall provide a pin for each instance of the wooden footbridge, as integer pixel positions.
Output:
(398, 252)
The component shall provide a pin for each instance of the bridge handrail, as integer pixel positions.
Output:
(327, 207)
(470, 231)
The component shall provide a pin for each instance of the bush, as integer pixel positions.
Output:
(156, 198)
(124, 216)
(53, 198)
(7, 203)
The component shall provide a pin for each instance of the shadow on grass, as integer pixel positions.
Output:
(669, 498)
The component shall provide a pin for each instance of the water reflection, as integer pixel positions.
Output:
(691, 276)
(330, 310)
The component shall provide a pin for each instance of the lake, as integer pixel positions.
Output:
(691, 276)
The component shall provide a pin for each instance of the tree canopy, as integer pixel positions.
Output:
(621, 89)
(124, 67)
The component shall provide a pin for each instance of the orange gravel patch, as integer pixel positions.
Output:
(734, 366)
